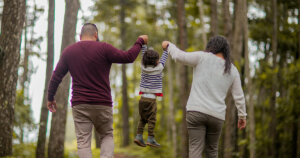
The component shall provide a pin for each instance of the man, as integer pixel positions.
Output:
(89, 63)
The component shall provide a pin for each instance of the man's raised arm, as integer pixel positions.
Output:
(115, 55)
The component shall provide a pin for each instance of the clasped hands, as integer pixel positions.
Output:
(164, 44)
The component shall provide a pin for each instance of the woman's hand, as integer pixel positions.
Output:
(165, 45)
(242, 123)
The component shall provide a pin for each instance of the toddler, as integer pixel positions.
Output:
(150, 88)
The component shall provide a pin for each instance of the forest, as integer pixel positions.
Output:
(264, 37)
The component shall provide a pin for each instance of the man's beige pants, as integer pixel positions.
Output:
(85, 117)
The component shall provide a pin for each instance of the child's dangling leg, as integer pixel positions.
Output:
(139, 137)
(152, 109)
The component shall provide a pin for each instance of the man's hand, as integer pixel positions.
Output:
(145, 38)
(165, 45)
(51, 105)
(242, 123)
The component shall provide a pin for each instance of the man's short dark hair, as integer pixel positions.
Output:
(88, 29)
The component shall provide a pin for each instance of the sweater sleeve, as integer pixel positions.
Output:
(238, 96)
(191, 59)
(144, 49)
(115, 55)
(164, 58)
(57, 76)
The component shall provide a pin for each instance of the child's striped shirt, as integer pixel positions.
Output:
(151, 77)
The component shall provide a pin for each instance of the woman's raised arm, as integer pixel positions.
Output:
(190, 58)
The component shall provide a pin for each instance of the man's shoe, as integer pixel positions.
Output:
(152, 142)
(139, 140)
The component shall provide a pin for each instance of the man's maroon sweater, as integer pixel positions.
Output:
(89, 64)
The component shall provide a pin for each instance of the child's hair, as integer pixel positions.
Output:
(219, 44)
(150, 58)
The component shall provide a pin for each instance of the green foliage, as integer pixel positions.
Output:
(23, 121)
(24, 150)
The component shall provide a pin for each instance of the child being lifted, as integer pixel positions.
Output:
(150, 88)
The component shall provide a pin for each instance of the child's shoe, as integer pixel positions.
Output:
(152, 142)
(139, 140)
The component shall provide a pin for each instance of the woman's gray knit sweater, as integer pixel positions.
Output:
(210, 85)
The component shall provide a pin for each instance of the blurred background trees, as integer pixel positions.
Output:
(265, 46)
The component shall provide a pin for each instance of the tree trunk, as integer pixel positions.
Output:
(273, 123)
(249, 86)
(230, 125)
(24, 77)
(227, 19)
(226, 146)
(11, 30)
(58, 123)
(171, 107)
(298, 139)
(298, 124)
(40, 149)
(27, 49)
(125, 106)
(299, 31)
(230, 139)
(213, 18)
(183, 92)
(237, 32)
(201, 14)
(135, 102)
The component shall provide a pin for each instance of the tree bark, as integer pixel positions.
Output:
(237, 32)
(298, 139)
(202, 23)
(227, 19)
(24, 77)
(171, 108)
(299, 30)
(135, 102)
(273, 123)
(58, 123)
(249, 85)
(298, 124)
(213, 18)
(227, 133)
(183, 92)
(40, 149)
(230, 125)
(11, 29)
(125, 106)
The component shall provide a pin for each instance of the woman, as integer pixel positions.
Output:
(213, 76)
